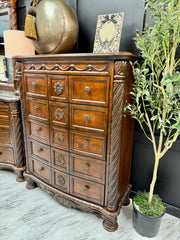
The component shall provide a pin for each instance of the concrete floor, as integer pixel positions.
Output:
(33, 215)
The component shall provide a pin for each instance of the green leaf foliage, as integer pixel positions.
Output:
(156, 89)
(155, 208)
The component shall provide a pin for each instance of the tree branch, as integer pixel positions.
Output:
(169, 144)
(151, 132)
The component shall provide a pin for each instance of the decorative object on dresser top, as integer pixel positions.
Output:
(78, 145)
(11, 138)
(108, 33)
(55, 29)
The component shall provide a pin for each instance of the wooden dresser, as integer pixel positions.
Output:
(11, 138)
(78, 145)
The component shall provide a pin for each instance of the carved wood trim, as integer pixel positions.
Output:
(116, 123)
(120, 71)
(72, 202)
(17, 74)
(71, 67)
(9, 7)
(17, 134)
(18, 78)
(12, 16)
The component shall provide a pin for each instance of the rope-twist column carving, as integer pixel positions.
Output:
(17, 134)
(18, 78)
(13, 15)
(115, 135)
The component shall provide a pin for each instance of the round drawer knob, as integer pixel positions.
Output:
(85, 143)
(1, 153)
(35, 108)
(86, 188)
(39, 149)
(86, 117)
(87, 89)
(41, 169)
(34, 84)
(37, 130)
(86, 167)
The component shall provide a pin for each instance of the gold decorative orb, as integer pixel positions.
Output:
(57, 27)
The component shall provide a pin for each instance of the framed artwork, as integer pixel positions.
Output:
(108, 33)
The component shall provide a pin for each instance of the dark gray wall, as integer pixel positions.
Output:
(142, 163)
(88, 10)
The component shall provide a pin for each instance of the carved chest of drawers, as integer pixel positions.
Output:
(78, 145)
(11, 138)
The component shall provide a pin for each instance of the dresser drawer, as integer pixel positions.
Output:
(89, 90)
(59, 137)
(40, 170)
(88, 168)
(40, 151)
(4, 116)
(38, 109)
(60, 180)
(36, 85)
(89, 118)
(58, 85)
(5, 137)
(60, 159)
(89, 144)
(4, 122)
(39, 131)
(58, 113)
(4, 107)
(93, 192)
(6, 155)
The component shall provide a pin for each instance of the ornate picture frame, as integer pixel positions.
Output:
(108, 33)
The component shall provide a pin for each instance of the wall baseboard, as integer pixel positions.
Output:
(172, 210)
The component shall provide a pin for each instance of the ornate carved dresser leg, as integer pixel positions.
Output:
(126, 200)
(30, 184)
(20, 177)
(110, 225)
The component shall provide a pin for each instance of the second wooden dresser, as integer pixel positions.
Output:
(11, 136)
(78, 145)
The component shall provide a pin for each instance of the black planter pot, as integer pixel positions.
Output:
(146, 225)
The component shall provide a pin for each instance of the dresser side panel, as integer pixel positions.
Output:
(115, 144)
(127, 136)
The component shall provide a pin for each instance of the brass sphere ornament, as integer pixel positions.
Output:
(56, 27)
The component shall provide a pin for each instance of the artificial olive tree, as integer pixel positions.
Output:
(156, 91)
